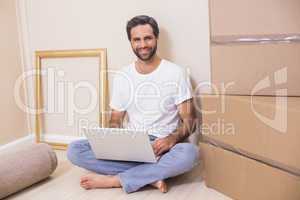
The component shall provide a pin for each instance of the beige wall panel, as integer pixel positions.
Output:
(13, 121)
(69, 24)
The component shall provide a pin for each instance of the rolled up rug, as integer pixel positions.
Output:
(23, 165)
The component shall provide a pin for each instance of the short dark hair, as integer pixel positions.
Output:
(142, 20)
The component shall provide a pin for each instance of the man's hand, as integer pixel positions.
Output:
(162, 145)
(116, 119)
(186, 112)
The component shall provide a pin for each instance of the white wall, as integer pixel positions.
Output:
(71, 24)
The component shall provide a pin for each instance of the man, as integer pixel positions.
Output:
(156, 96)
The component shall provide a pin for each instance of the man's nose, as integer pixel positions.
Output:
(143, 43)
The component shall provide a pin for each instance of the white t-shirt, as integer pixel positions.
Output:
(151, 100)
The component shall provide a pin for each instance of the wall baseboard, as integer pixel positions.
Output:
(61, 138)
(48, 137)
(29, 137)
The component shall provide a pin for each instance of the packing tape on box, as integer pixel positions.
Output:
(256, 39)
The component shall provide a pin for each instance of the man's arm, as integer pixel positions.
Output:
(186, 113)
(187, 116)
(116, 119)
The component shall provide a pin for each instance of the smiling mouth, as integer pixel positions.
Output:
(145, 54)
(144, 51)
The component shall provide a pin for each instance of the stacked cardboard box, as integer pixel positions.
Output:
(251, 138)
(264, 128)
(254, 141)
(243, 178)
(256, 69)
(255, 17)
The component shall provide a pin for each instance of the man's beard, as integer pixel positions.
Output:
(151, 54)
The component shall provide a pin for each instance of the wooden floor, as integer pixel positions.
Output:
(64, 185)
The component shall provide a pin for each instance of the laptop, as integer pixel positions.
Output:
(120, 144)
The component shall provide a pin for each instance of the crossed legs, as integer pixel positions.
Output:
(131, 176)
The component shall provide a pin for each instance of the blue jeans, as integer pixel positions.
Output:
(133, 175)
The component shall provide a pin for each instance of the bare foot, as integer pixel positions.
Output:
(161, 185)
(91, 181)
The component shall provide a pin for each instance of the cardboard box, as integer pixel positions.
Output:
(242, 178)
(244, 17)
(256, 69)
(264, 128)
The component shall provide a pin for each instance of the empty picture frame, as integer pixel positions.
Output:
(102, 87)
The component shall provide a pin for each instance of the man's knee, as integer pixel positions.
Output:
(189, 154)
(74, 149)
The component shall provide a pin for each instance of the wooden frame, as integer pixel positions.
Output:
(103, 97)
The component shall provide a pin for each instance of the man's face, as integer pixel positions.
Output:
(143, 42)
